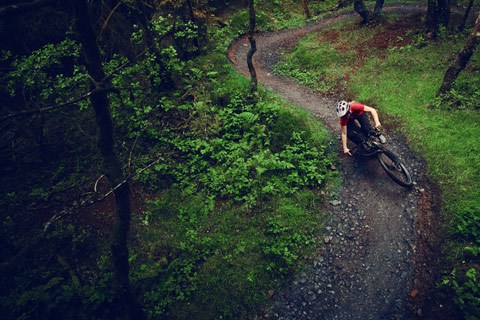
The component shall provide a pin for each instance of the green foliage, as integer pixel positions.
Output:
(467, 291)
(465, 93)
(240, 22)
(458, 100)
(53, 288)
(287, 234)
(39, 77)
(402, 81)
(209, 259)
(468, 223)
(314, 64)
(238, 161)
(247, 170)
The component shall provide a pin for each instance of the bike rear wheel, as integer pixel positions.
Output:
(395, 168)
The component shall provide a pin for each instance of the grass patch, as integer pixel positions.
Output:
(448, 139)
(400, 74)
(221, 262)
(314, 64)
(242, 212)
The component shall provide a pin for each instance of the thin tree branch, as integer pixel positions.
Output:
(28, 112)
(64, 104)
(100, 86)
(107, 20)
(131, 153)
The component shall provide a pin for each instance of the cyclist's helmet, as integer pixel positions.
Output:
(342, 108)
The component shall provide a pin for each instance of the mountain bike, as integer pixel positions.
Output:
(391, 163)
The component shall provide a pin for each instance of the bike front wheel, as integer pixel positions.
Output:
(395, 168)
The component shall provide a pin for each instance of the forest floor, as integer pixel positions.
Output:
(379, 251)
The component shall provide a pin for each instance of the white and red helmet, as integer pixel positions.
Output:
(342, 108)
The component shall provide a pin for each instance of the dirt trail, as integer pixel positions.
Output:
(377, 256)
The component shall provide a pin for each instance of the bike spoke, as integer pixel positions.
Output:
(395, 168)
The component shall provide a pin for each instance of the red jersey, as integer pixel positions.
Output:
(356, 110)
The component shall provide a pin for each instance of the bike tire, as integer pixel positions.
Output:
(395, 168)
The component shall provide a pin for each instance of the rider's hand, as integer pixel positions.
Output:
(378, 126)
(347, 152)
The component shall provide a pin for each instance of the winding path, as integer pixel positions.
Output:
(377, 253)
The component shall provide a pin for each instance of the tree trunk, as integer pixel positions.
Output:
(431, 20)
(444, 12)
(253, 47)
(461, 59)
(142, 17)
(306, 10)
(438, 13)
(378, 7)
(362, 10)
(196, 40)
(344, 3)
(111, 164)
(465, 16)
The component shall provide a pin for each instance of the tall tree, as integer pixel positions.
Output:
(306, 10)
(378, 7)
(196, 40)
(438, 13)
(465, 16)
(142, 17)
(253, 46)
(111, 164)
(362, 10)
(461, 59)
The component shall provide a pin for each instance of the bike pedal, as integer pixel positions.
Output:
(382, 139)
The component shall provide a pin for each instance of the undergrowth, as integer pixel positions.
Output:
(240, 210)
(232, 182)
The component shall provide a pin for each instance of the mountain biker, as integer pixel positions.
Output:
(348, 112)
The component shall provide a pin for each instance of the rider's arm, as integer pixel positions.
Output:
(374, 115)
(344, 140)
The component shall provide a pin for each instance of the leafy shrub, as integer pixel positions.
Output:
(314, 64)
(210, 260)
(240, 22)
(467, 291)
(468, 223)
(457, 99)
(243, 160)
(287, 234)
(58, 285)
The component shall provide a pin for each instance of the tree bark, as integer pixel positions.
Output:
(378, 7)
(465, 16)
(438, 13)
(306, 10)
(253, 47)
(142, 17)
(196, 40)
(344, 3)
(362, 10)
(111, 165)
(444, 12)
(461, 59)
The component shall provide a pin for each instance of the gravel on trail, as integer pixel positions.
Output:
(377, 254)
